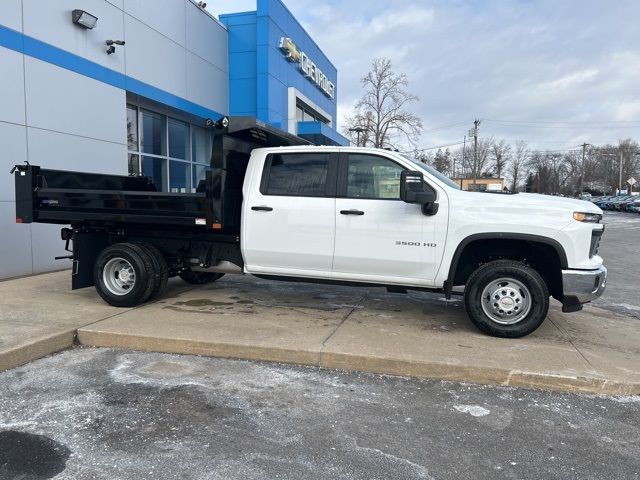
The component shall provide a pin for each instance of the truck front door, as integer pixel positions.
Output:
(288, 222)
(380, 238)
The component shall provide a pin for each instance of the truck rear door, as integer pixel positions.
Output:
(288, 224)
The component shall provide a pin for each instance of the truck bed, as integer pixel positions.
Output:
(65, 197)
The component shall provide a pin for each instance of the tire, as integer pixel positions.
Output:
(506, 298)
(199, 278)
(132, 259)
(160, 267)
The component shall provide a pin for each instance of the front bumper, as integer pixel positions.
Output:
(582, 286)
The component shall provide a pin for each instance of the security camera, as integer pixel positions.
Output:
(209, 122)
(202, 5)
(112, 45)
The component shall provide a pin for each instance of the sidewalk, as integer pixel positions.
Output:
(334, 327)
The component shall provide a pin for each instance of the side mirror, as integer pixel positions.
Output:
(412, 190)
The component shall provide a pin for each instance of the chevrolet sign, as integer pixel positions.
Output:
(308, 67)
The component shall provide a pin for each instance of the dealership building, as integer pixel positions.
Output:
(126, 86)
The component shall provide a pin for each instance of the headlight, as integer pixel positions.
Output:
(587, 217)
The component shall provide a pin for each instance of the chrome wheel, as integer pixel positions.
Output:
(118, 276)
(506, 301)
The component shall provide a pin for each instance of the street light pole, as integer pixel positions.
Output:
(620, 177)
(358, 131)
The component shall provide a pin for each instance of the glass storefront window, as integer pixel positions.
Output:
(173, 153)
(199, 173)
(134, 164)
(178, 139)
(132, 128)
(156, 169)
(154, 133)
(201, 145)
(179, 177)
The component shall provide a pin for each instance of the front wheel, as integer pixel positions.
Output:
(506, 298)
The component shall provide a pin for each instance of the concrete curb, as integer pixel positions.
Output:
(25, 353)
(362, 363)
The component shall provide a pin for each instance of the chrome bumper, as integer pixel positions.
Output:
(582, 286)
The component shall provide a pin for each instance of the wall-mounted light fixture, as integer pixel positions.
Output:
(84, 19)
(112, 45)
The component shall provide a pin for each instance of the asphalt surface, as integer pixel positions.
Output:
(620, 249)
(105, 414)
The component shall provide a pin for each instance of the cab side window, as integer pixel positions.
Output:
(372, 177)
(296, 175)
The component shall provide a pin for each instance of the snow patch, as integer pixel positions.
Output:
(627, 399)
(474, 410)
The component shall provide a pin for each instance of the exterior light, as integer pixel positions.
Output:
(587, 217)
(84, 19)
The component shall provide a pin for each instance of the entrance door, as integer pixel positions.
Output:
(379, 237)
(289, 222)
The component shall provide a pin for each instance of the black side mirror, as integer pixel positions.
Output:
(413, 190)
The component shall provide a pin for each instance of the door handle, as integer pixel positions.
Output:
(351, 212)
(262, 208)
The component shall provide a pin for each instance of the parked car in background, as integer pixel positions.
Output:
(624, 205)
(606, 202)
(634, 207)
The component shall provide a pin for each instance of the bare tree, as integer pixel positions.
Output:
(442, 161)
(518, 163)
(382, 110)
(501, 151)
(479, 169)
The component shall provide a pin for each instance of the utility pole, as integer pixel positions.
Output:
(584, 148)
(474, 132)
(464, 148)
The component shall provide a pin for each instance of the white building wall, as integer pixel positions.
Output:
(63, 119)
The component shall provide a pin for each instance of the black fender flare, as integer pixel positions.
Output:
(562, 255)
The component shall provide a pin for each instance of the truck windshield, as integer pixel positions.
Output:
(440, 176)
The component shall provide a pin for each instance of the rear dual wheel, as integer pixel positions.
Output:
(128, 274)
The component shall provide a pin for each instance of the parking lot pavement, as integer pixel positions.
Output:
(620, 248)
(109, 414)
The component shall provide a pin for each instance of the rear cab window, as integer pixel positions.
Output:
(303, 174)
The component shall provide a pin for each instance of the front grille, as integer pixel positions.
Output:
(596, 236)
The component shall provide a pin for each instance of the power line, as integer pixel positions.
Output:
(437, 147)
(444, 127)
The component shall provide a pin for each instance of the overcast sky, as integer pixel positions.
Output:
(554, 73)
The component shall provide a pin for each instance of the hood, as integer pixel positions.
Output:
(533, 201)
(569, 203)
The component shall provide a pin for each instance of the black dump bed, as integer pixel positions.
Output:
(66, 197)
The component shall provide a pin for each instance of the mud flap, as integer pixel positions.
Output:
(86, 248)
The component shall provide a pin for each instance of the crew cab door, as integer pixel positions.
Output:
(289, 215)
(380, 238)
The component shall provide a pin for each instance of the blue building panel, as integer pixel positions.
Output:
(243, 36)
(242, 65)
(259, 33)
(318, 132)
